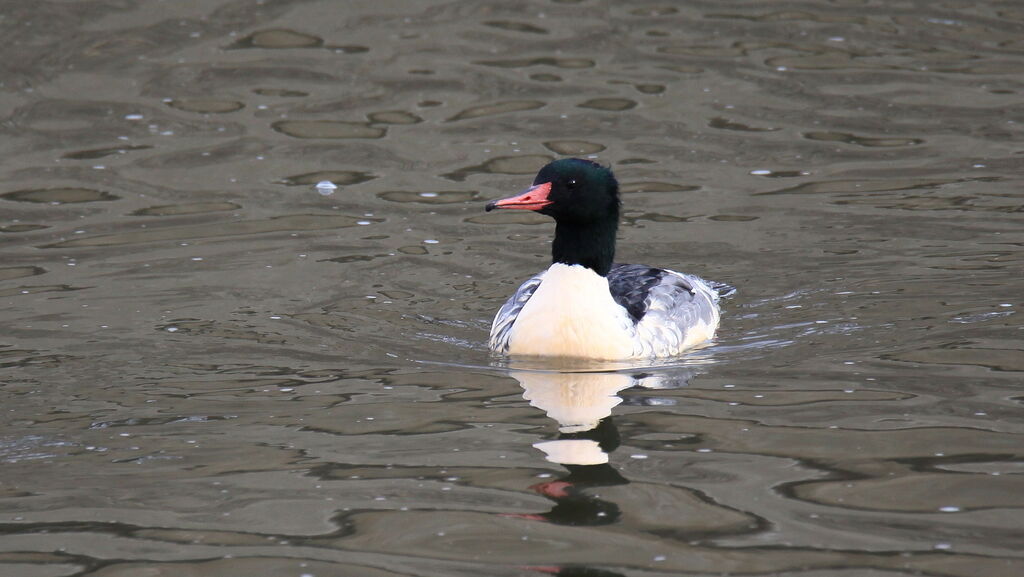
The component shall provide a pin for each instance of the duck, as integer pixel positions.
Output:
(585, 305)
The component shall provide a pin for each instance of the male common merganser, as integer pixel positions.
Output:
(583, 305)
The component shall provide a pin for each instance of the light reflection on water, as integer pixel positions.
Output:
(207, 367)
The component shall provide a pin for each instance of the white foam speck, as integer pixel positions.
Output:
(326, 187)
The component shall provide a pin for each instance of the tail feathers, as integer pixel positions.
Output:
(723, 290)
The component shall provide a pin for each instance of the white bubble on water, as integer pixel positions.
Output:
(326, 187)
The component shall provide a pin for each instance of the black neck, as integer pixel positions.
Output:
(591, 245)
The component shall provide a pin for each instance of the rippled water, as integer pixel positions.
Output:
(209, 368)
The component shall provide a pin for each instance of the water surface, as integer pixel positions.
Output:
(209, 368)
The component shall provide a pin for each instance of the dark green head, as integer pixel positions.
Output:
(583, 198)
(581, 191)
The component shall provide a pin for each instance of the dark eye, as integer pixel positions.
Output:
(571, 184)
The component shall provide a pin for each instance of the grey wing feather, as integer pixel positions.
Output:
(501, 327)
(679, 304)
(665, 305)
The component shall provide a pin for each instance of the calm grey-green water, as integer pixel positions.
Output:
(209, 368)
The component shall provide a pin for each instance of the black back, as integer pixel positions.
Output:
(631, 284)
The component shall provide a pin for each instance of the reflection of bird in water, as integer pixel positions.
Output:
(575, 571)
(572, 505)
(585, 306)
(582, 405)
(577, 401)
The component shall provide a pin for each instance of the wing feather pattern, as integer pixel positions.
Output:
(501, 327)
(671, 311)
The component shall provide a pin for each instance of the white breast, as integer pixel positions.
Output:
(572, 313)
